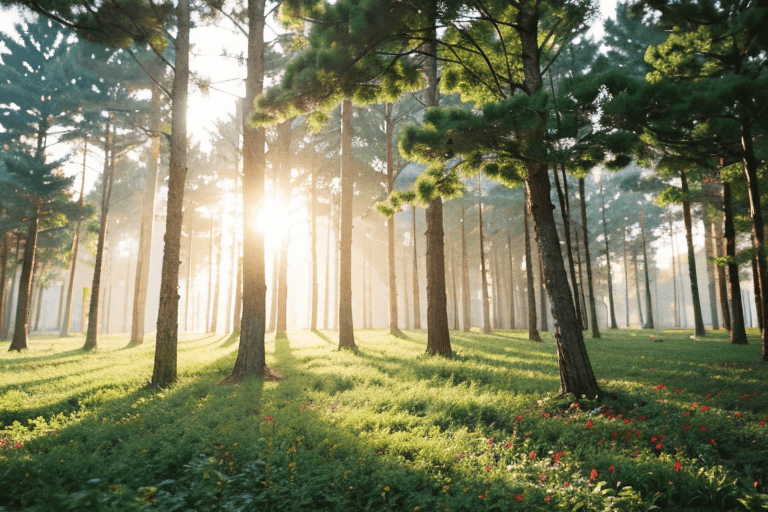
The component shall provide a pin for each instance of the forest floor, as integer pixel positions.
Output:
(386, 428)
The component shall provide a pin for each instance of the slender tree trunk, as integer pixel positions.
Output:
(4, 298)
(565, 212)
(496, 280)
(544, 318)
(238, 310)
(346, 327)
(364, 271)
(649, 324)
(275, 291)
(466, 298)
(698, 319)
(91, 336)
(415, 273)
(614, 325)
(626, 278)
(105, 304)
(512, 322)
(454, 292)
(758, 233)
(758, 292)
(722, 281)
(738, 334)
(483, 268)
(394, 329)
(326, 300)
(709, 249)
(533, 332)
(313, 252)
(584, 317)
(217, 253)
(37, 284)
(20, 339)
(406, 306)
(188, 287)
(674, 273)
(147, 224)
(637, 289)
(211, 264)
(67, 315)
(588, 258)
(281, 327)
(251, 357)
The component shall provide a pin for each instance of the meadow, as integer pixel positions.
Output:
(386, 428)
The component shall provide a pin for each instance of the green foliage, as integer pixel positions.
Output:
(386, 428)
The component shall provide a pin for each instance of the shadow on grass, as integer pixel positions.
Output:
(233, 338)
(320, 334)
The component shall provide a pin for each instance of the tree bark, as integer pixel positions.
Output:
(164, 372)
(327, 298)
(626, 278)
(496, 288)
(188, 287)
(438, 338)
(637, 289)
(648, 304)
(415, 273)
(588, 258)
(454, 292)
(614, 325)
(738, 334)
(20, 339)
(674, 274)
(533, 332)
(251, 357)
(544, 320)
(406, 306)
(217, 256)
(281, 327)
(147, 224)
(565, 213)
(211, 264)
(91, 336)
(483, 269)
(313, 252)
(722, 281)
(698, 319)
(4, 298)
(67, 315)
(709, 249)
(346, 327)
(512, 319)
(466, 299)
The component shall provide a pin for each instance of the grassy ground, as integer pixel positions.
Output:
(387, 428)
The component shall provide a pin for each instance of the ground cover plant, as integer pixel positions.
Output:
(386, 428)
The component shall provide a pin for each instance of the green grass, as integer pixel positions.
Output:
(387, 428)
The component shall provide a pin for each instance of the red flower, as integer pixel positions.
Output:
(659, 386)
(490, 442)
(707, 395)
(659, 446)
(577, 405)
(611, 468)
(547, 498)
(712, 442)
(704, 408)
(703, 429)
(19, 444)
(482, 496)
(593, 475)
(637, 452)
(520, 418)
(686, 413)
(686, 427)
(532, 455)
(762, 422)
(558, 455)
(615, 435)
(678, 467)
(3, 442)
(566, 484)
(488, 467)
(546, 415)
(637, 433)
(738, 415)
(590, 424)
(642, 418)
(509, 444)
(654, 439)
(519, 497)
(627, 421)
(678, 390)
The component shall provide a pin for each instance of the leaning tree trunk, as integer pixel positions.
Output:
(346, 326)
(612, 308)
(483, 269)
(758, 232)
(533, 332)
(709, 250)
(251, 357)
(466, 300)
(415, 274)
(20, 339)
(738, 334)
(147, 223)
(588, 258)
(698, 320)
(91, 336)
(649, 324)
(722, 281)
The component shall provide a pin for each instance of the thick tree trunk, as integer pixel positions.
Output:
(722, 281)
(709, 249)
(512, 322)
(91, 336)
(438, 338)
(758, 233)
(164, 372)
(251, 357)
(20, 339)
(612, 308)
(466, 299)
(483, 268)
(588, 258)
(738, 334)
(147, 224)
(698, 319)
(346, 327)
(649, 324)
(533, 332)
(415, 274)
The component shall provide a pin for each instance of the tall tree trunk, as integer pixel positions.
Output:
(637, 289)
(612, 309)
(20, 339)
(466, 298)
(147, 224)
(313, 252)
(211, 265)
(483, 268)
(188, 287)
(275, 291)
(364, 271)
(709, 249)
(346, 327)
(512, 322)
(237, 314)
(327, 298)
(67, 315)
(738, 334)
(626, 278)
(544, 318)
(394, 329)
(406, 306)
(91, 336)
(649, 324)
(217, 255)
(454, 292)
(496, 281)
(588, 258)
(4, 298)
(675, 306)
(415, 274)
(758, 292)
(584, 317)
(533, 332)
(722, 281)
(37, 294)
(565, 212)
(251, 357)
(698, 319)
(281, 327)
(758, 233)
